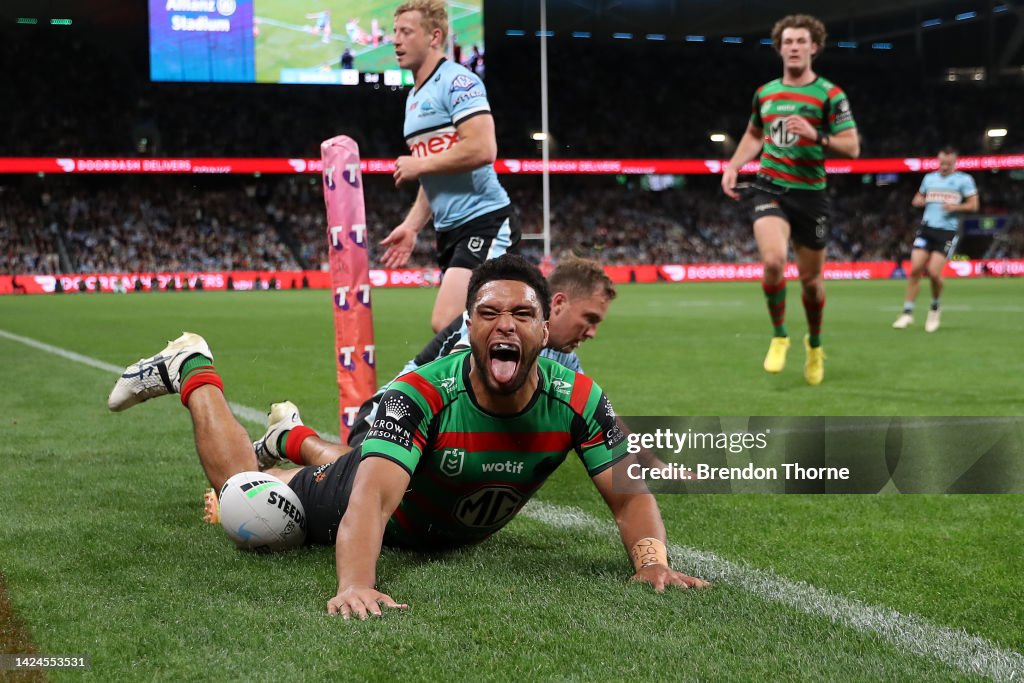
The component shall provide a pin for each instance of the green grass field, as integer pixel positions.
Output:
(103, 552)
(286, 35)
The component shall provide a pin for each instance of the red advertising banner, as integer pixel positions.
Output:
(863, 270)
(350, 278)
(245, 165)
(411, 277)
(159, 282)
(285, 280)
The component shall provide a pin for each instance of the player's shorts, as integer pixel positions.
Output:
(808, 212)
(481, 239)
(933, 239)
(324, 492)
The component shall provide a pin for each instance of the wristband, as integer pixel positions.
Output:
(648, 552)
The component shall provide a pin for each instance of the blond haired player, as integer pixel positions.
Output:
(450, 133)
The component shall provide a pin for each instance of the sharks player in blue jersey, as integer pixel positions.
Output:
(944, 195)
(450, 133)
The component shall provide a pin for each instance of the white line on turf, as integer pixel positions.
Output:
(245, 412)
(970, 654)
(956, 648)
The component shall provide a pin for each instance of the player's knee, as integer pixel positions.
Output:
(812, 280)
(774, 268)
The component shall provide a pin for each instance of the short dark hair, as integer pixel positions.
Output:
(949, 149)
(581, 277)
(509, 267)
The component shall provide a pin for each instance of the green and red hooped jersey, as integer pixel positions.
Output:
(472, 471)
(787, 159)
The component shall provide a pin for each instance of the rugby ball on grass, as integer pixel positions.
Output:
(260, 512)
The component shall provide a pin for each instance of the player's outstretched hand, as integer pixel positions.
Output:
(361, 603)
(729, 182)
(661, 577)
(400, 244)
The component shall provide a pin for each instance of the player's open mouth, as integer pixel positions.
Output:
(504, 361)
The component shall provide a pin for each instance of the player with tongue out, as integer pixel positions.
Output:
(507, 332)
(459, 445)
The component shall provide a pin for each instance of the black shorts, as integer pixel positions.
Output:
(364, 420)
(808, 212)
(324, 492)
(933, 239)
(483, 238)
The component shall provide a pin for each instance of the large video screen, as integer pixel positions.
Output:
(319, 42)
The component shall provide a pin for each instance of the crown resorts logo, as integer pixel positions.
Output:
(396, 409)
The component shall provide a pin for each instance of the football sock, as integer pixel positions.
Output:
(908, 307)
(197, 371)
(776, 298)
(290, 442)
(935, 304)
(814, 311)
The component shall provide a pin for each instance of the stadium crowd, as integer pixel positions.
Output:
(148, 224)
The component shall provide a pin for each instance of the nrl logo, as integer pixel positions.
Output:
(452, 460)
(561, 386)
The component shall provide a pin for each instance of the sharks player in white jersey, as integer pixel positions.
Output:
(450, 133)
(944, 195)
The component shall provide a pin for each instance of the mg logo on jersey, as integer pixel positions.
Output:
(452, 460)
(488, 507)
(779, 135)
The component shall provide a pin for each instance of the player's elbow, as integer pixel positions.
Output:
(487, 152)
(854, 148)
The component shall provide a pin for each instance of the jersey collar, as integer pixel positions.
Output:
(427, 79)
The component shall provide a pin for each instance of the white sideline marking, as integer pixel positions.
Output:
(954, 647)
(244, 412)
